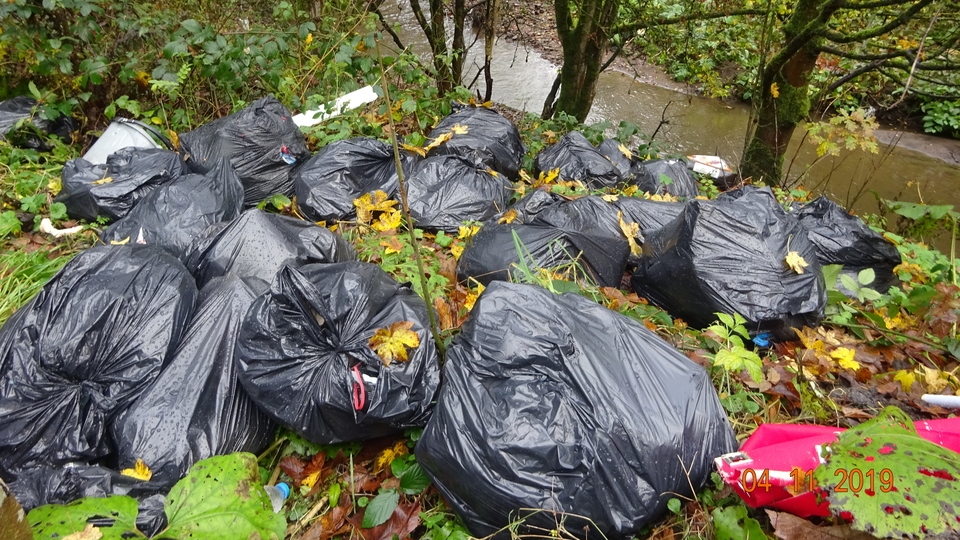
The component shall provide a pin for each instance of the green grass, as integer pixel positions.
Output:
(23, 274)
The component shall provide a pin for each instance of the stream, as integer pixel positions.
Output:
(908, 167)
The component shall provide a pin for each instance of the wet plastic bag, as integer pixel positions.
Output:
(173, 215)
(670, 177)
(304, 356)
(327, 184)
(730, 256)
(12, 111)
(112, 189)
(196, 408)
(646, 213)
(483, 137)
(557, 403)
(261, 142)
(841, 238)
(86, 347)
(255, 246)
(629, 166)
(498, 252)
(579, 160)
(446, 191)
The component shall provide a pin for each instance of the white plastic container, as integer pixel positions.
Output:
(120, 134)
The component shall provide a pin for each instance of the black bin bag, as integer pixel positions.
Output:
(578, 159)
(628, 165)
(262, 143)
(35, 128)
(729, 256)
(304, 357)
(255, 246)
(196, 408)
(494, 253)
(112, 189)
(174, 215)
(646, 213)
(841, 238)
(669, 177)
(93, 339)
(556, 402)
(327, 183)
(483, 137)
(446, 191)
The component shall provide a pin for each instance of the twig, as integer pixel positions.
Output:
(404, 206)
(916, 60)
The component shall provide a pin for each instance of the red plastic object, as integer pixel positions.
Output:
(778, 458)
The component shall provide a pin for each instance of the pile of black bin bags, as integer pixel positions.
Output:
(556, 402)
(205, 324)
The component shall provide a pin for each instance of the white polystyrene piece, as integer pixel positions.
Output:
(713, 166)
(346, 102)
(950, 402)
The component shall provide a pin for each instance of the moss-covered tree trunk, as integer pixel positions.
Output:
(784, 99)
(584, 35)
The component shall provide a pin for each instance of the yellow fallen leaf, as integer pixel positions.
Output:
(391, 244)
(795, 262)
(629, 191)
(140, 471)
(368, 203)
(845, 358)
(905, 378)
(459, 129)
(466, 232)
(493, 173)
(774, 90)
(547, 177)
(88, 533)
(472, 297)
(457, 251)
(625, 151)
(934, 379)
(388, 220)
(386, 457)
(391, 343)
(631, 231)
(438, 141)
(102, 181)
(508, 216)
(174, 138)
(415, 149)
(610, 198)
(119, 242)
(311, 479)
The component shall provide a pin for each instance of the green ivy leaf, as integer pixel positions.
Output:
(116, 517)
(674, 505)
(380, 508)
(893, 482)
(222, 498)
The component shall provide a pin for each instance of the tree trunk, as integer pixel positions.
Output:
(784, 99)
(584, 37)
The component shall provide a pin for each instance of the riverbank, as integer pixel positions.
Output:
(531, 23)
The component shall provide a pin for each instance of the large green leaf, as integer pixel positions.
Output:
(732, 523)
(890, 481)
(380, 508)
(116, 518)
(222, 498)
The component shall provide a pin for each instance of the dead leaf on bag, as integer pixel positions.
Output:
(140, 471)
(795, 262)
(392, 343)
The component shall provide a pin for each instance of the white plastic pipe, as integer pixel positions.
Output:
(949, 402)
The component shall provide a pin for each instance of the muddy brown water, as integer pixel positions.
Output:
(909, 166)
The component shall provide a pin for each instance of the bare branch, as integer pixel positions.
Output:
(665, 21)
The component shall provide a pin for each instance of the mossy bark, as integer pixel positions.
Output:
(584, 38)
(784, 99)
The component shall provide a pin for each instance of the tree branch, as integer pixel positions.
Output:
(665, 21)
(872, 5)
(897, 22)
